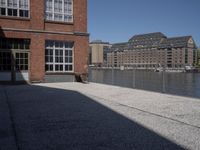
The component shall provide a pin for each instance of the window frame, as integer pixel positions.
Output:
(21, 61)
(63, 63)
(62, 13)
(7, 7)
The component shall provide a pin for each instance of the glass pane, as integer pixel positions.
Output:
(70, 53)
(49, 16)
(26, 13)
(56, 59)
(15, 3)
(71, 45)
(26, 61)
(61, 67)
(26, 55)
(51, 58)
(17, 55)
(70, 67)
(61, 59)
(46, 59)
(21, 55)
(48, 5)
(66, 67)
(61, 52)
(23, 4)
(56, 67)
(21, 13)
(51, 67)
(70, 59)
(26, 67)
(15, 44)
(10, 12)
(66, 44)
(21, 45)
(10, 3)
(66, 53)
(51, 52)
(66, 59)
(14, 12)
(56, 52)
(2, 11)
(21, 61)
(2, 3)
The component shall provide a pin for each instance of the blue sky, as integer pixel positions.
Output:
(118, 20)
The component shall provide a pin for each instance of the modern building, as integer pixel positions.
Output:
(43, 40)
(153, 50)
(98, 52)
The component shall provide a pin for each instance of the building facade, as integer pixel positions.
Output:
(198, 56)
(98, 52)
(43, 40)
(153, 50)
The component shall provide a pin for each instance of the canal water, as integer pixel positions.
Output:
(183, 84)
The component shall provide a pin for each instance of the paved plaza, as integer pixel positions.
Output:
(75, 116)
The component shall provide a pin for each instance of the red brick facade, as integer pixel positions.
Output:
(38, 30)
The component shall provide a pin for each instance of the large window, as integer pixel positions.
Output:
(16, 8)
(6, 56)
(9, 43)
(59, 10)
(21, 61)
(59, 56)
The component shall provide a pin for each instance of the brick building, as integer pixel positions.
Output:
(152, 50)
(43, 40)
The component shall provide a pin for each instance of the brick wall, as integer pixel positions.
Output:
(37, 24)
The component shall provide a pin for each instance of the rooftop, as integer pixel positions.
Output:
(99, 42)
(153, 40)
(175, 42)
(156, 35)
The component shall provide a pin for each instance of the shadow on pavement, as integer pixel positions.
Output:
(55, 119)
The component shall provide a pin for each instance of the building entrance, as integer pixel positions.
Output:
(14, 59)
(21, 66)
(14, 66)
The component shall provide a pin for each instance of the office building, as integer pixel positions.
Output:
(98, 52)
(153, 50)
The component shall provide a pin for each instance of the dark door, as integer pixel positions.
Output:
(5, 66)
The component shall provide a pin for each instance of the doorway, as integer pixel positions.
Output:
(14, 66)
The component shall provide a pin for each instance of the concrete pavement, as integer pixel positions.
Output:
(94, 116)
(7, 133)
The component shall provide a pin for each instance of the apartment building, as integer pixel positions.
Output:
(43, 40)
(98, 52)
(153, 50)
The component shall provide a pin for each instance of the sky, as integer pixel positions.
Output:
(118, 20)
